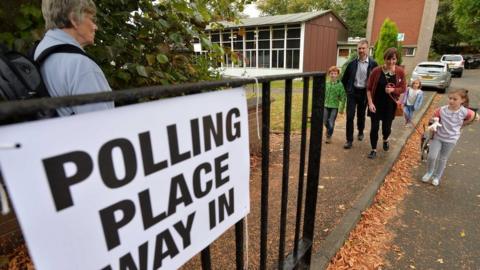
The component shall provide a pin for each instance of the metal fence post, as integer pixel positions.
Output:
(314, 155)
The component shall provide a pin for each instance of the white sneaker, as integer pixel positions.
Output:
(436, 181)
(426, 177)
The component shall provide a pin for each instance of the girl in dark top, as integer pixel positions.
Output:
(385, 84)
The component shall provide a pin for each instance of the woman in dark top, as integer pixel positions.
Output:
(384, 87)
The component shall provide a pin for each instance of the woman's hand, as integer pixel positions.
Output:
(371, 107)
(389, 88)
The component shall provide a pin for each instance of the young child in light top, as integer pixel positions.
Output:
(412, 100)
(334, 101)
(452, 118)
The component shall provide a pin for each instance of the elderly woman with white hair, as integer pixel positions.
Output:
(71, 72)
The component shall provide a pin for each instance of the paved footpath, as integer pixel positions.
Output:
(439, 227)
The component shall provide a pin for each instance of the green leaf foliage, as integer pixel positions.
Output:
(466, 15)
(387, 39)
(445, 38)
(138, 42)
(276, 7)
(353, 12)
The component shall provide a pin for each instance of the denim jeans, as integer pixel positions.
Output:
(408, 112)
(329, 117)
(437, 157)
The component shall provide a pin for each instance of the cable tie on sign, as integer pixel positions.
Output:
(9, 146)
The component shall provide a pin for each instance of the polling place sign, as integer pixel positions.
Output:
(145, 186)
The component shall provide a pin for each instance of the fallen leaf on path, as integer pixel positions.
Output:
(440, 260)
(416, 211)
(412, 266)
(462, 233)
(321, 187)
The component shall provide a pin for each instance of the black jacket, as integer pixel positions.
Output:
(348, 78)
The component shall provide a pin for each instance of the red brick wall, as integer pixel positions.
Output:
(407, 14)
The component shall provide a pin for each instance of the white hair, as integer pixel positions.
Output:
(57, 12)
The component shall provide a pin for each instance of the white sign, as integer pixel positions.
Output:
(145, 186)
(197, 47)
(400, 36)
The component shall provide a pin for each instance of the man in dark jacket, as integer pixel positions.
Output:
(354, 81)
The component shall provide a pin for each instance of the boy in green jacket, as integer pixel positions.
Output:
(334, 101)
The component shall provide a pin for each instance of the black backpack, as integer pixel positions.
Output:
(20, 76)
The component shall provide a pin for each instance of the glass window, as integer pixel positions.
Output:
(226, 37)
(215, 37)
(250, 35)
(293, 33)
(236, 36)
(227, 61)
(250, 59)
(263, 58)
(293, 44)
(278, 44)
(264, 44)
(250, 44)
(296, 58)
(429, 68)
(264, 35)
(277, 58)
(452, 58)
(409, 51)
(289, 59)
(279, 34)
(239, 60)
(238, 45)
(293, 58)
(343, 52)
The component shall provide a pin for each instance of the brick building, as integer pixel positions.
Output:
(415, 20)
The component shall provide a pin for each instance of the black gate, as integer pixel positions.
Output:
(300, 255)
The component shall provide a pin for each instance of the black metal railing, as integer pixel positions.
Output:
(303, 240)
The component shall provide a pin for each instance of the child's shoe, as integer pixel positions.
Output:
(436, 181)
(426, 177)
(328, 139)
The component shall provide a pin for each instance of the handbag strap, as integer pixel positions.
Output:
(390, 95)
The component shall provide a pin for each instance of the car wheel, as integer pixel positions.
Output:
(460, 74)
(441, 90)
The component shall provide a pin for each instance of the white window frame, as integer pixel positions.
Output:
(413, 53)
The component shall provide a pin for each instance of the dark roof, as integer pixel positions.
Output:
(278, 19)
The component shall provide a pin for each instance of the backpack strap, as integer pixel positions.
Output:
(4, 48)
(61, 48)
